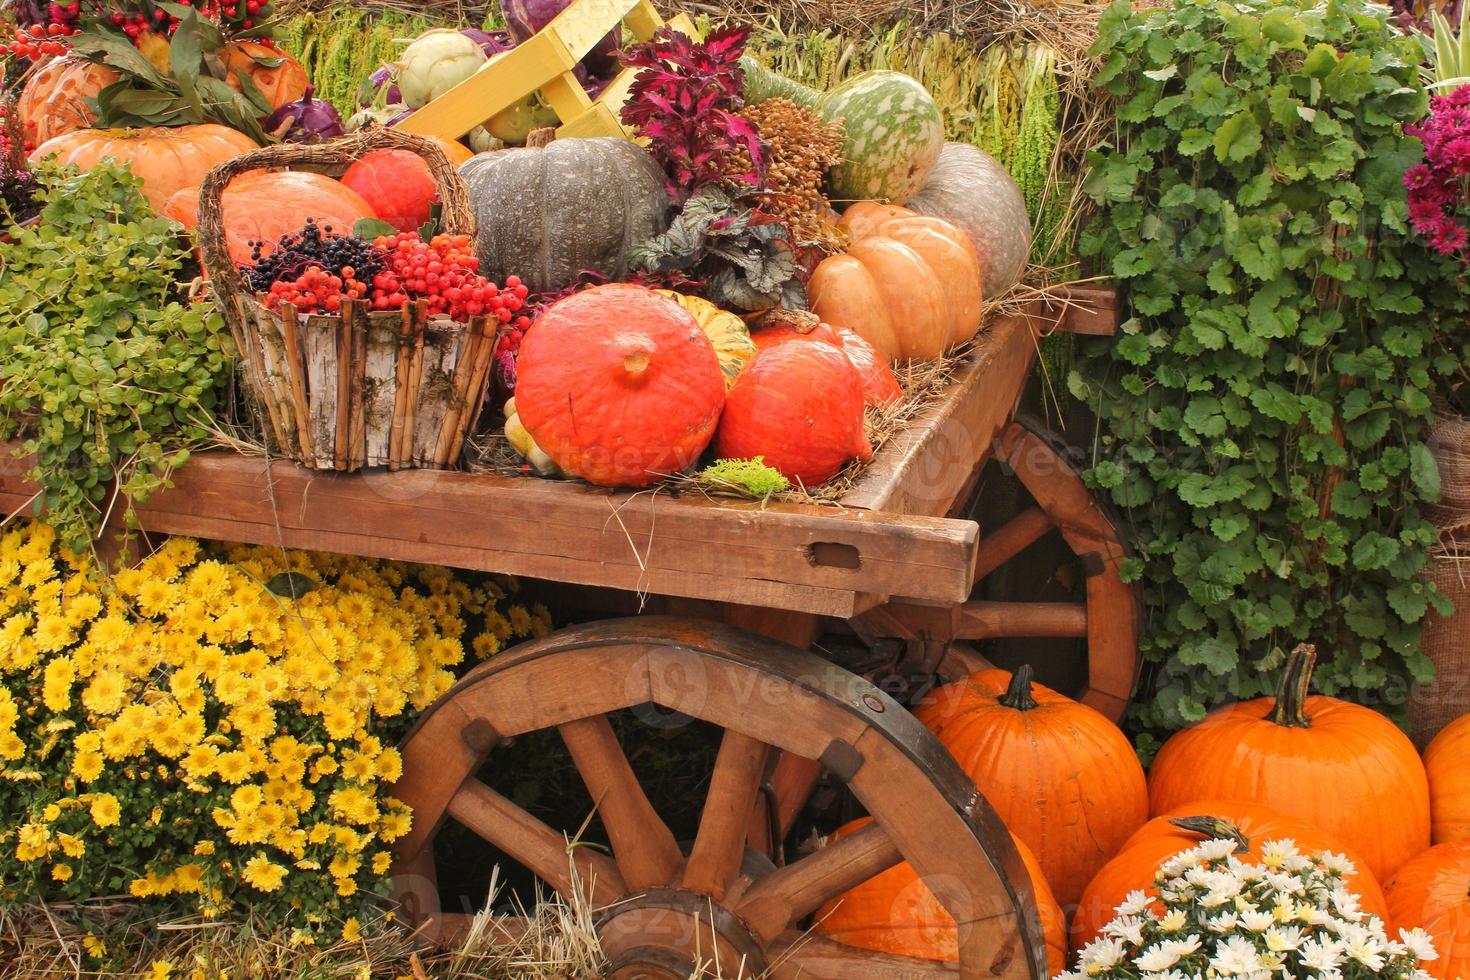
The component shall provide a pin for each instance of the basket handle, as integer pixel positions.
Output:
(458, 216)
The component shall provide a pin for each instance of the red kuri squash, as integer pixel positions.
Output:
(894, 912)
(278, 76)
(1341, 767)
(1061, 775)
(800, 405)
(880, 387)
(1179, 830)
(262, 206)
(53, 102)
(1432, 892)
(619, 385)
(166, 159)
(1448, 762)
(396, 184)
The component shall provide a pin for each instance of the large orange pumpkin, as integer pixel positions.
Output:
(278, 76)
(908, 285)
(894, 912)
(1061, 775)
(397, 185)
(262, 206)
(1432, 892)
(619, 385)
(1339, 766)
(1447, 761)
(54, 100)
(1251, 824)
(800, 406)
(166, 159)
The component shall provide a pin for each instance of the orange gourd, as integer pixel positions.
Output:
(1447, 761)
(397, 184)
(1061, 775)
(619, 385)
(908, 285)
(53, 102)
(166, 159)
(1180, 830)
(894, 912)
(1432, 892)
(799, 405)
(278, 76)
(456, 151)
(1341, 767)
(262, 206)
(880, 387)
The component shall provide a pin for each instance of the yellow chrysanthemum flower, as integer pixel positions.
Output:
(262, 874)
(105, 810)
(104, 694)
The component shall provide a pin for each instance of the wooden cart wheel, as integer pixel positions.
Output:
(1110, 618)
(666, 911)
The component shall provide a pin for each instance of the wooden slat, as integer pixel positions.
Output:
(1089, 310)
(924, 468)
(485, 93)
(788, 894)
(719, 846)
(651, 542)
(983, 620)
(804, 956)
(536, 846)
(645, 850)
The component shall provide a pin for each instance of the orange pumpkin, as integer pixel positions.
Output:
(879, 386)
(262, 206)
(1061, 775)
(862, 219)
(908, 285)
(456, 151)
(1447, 761)
(397, 184)
(619, 385)
(54, 100)
(1432, 892)
(166, 159)
(800, 406)
(1341, 767)
(278, 76)
(894, 912)
(1251, 824)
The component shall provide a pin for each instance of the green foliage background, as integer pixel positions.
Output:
(1262, 415)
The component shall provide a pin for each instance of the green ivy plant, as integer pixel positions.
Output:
(107, 373)
(1261, 415)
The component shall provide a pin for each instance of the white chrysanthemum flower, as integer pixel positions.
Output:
(1216, 850)
(1170, 975)
(1156, 958)
(1187, 946)
(1235, 957)
(1360, 944)
(1128, 928)
(1283, 939)
(1100, 955)
(1174, 920)
(1320, 954)
(1136, 903)
(1419, 944)
(1257, 921)
(1223, 923)
(1338, 864)
(1276, 853)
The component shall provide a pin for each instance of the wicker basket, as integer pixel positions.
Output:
(363, 388)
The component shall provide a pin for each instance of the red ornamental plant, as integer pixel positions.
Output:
(684, 100)
(1439, 188)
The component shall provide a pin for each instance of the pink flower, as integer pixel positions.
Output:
(1448, 238)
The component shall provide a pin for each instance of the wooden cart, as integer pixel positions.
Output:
(746, 589)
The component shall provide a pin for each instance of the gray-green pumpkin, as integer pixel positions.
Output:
(548, 213)
(969, 188)
(894, 129)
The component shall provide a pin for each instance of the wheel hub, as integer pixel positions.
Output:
(672, 934)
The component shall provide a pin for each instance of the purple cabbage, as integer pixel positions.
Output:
(493, 42)
(503, 376)
(307, 120)
(526, 17)
(384, 76)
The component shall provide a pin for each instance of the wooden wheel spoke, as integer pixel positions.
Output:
(783, 897)
(719, 847)
(983, 620)
(809, 957)
(536, 846)
(645, 850)
(1010, 539)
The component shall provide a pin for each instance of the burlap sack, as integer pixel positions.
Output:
(1447, 643)
(1449, 441)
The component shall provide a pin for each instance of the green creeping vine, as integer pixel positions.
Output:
(1261, 415)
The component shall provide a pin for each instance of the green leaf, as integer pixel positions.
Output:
(371, 228)
(1424, 471)
(1237, 138)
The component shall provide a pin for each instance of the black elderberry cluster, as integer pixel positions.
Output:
(313, 247)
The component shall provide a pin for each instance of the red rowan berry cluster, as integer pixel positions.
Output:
(442, 272)
(38, 41)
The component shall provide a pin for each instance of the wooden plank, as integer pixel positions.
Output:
(520, 71)
(649, 542)
(719, 846)
(1087, 310)
(926, 466)
(1010, 539)
(807, 956)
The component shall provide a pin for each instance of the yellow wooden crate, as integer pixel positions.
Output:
(544, 63)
